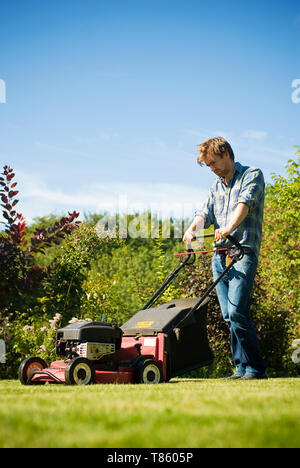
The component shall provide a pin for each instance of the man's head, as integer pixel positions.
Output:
(217, 154)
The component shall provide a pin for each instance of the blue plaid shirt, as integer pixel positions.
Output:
(246, 186)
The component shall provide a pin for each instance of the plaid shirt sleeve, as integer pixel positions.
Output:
(252, 189)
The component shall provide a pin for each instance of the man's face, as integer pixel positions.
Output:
(219, 165)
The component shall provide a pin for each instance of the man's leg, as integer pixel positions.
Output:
(244, 342)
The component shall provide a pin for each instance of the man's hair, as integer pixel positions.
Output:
(214, 146)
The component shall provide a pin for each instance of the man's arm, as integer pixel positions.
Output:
(203, 219)
(251, 194)
(238, 216)
(196, 225)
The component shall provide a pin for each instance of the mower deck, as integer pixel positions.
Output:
(56, 374)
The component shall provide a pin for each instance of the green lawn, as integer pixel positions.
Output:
(182, 413)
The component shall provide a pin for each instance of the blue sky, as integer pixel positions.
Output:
(106, 101)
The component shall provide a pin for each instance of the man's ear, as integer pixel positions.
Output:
(226, 155)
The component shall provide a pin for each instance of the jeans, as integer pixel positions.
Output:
(234, 292)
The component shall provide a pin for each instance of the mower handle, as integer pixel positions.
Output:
(189, 260)
(238, 252)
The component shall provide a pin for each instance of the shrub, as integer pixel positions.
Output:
(64, 285)
(277, 305)
(20, 277)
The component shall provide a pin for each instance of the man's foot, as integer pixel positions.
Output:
(254, 377)
(234, 377)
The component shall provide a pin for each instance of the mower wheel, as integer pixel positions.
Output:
(27, 367)
(148, 372)
(80, 371)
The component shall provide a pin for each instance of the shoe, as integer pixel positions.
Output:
(234, 377)
(254, 377)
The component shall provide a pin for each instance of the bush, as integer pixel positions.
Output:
(20, 277)
(122, 281)
(277, 306)
(63, 287)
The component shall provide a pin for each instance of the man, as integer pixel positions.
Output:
(235, 207)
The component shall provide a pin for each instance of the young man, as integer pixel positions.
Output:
(235, 207)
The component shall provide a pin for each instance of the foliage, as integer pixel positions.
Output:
(20, 277)
(282, 235)
(277, 305)
(36, 337)
(121, 282)
(63, 288)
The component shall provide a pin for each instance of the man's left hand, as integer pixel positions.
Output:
(222, 233)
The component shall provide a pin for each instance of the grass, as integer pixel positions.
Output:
(183, 413)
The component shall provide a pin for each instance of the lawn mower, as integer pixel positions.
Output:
(154, 345)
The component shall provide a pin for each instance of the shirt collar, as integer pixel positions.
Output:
(238, 168)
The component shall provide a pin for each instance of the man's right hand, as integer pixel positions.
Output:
(190, 233)
(189, 236)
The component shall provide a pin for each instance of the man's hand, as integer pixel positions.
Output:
(221, 234)
(188, 236)
(196, 225)
(239, 215)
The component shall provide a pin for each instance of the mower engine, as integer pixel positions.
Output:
(82, 339)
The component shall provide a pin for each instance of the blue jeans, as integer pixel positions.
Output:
(234, 292)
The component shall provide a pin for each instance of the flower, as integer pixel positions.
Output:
(73, 320)
(53, 324)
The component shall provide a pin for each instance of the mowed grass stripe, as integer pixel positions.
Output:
(182, 413)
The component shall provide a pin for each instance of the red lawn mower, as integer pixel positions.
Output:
(153, 346)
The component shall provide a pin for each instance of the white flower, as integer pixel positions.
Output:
(73, 320)
(52, 323)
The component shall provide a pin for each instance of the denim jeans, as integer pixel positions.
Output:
(234, 292)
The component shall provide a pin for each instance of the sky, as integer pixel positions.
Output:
(103, 102)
